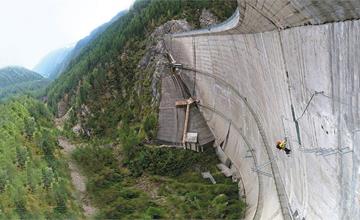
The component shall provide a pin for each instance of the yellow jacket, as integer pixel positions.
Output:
(282, 145)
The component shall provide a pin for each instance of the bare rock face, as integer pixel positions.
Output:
(207, 18)
(63, 106)
(157, 45)
(171, 27)
(84, 110)
(155, 56)
(83, 115)
(77, 129)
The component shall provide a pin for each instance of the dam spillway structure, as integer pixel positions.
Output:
(282, 69)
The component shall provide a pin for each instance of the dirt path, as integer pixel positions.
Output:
(77, 179)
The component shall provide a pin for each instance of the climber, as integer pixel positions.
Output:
(281, 145)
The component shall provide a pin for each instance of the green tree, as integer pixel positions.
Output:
(150, 125)
(33, 177)
(29, 126)
(18, 198)
(129, 140)
(3, 180)
(47, 177)
(60, 195)
(47, 142)
(21, 156)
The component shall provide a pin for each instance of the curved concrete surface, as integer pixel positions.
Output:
(301, 83)
(172, 118)
(254, 16)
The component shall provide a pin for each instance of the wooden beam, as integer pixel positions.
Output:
(184, 102)
(186, 123)
(187, 103)
(181, 102)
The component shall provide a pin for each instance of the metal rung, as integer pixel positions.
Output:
(265, 164)
(249, 156)
(318, 153)
(325, 151)
(306, 150)
(342, 153)
(330, 150)
(331, 153)
(262, 172)
(338, 151)
(343, 149)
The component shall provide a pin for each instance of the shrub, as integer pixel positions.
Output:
(129, 141)
(47, 177)
(219, 205)
(29, 126)
(161, 161)
(60, 195)
(154, 213)
(150, 126)
(21, 156)
(3, 180)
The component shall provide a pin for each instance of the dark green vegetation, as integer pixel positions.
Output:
(18, 81)
(105, 76)
(13, 75)
(34, 182)
(149, 183)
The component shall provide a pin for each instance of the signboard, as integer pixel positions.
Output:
(191, 137)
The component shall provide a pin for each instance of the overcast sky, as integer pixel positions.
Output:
(29, 29)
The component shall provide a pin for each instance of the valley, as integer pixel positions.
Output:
(181, 109)
(98, 149)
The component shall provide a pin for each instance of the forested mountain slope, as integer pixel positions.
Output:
(18, 80)
(13, 75)
(34, 182)
(104, 85)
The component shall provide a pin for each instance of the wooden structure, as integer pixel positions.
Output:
(187, 103)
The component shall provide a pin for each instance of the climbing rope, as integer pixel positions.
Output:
(313, 95)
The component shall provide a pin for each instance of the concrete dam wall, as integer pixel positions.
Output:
(270, 82)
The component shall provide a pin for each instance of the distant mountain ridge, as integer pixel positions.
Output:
(52, 62)
(58, 61)
(14, 74)
(16, 80)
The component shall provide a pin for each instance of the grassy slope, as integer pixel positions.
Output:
(158, 183)
(34, 182)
